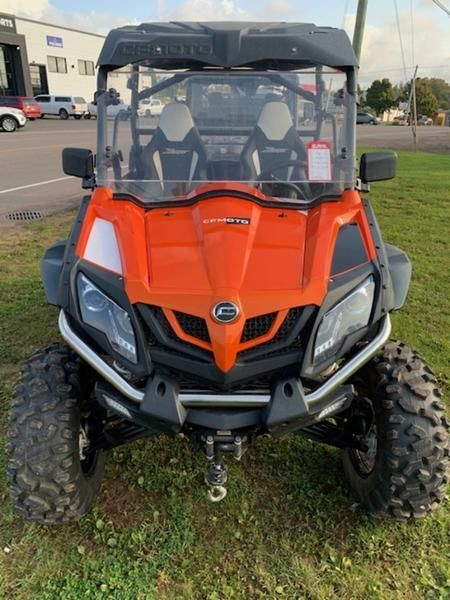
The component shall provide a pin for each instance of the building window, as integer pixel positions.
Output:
(86, 67)
(123, 71)
(57, 64)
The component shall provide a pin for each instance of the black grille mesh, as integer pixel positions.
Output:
(283, 332)
(257, 326)
(194, 326)
(287, 325)
(176, 346)
(163, 322)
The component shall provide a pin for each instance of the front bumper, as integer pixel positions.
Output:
(286, 405)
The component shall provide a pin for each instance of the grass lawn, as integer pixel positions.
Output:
(289, 527)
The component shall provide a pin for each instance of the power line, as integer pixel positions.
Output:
(444, 8)
(411, 13)
(400, 39)
(396, 69)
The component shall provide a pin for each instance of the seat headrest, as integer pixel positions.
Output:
(275, 120)
(176, 121)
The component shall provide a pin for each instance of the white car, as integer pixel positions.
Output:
(424, 120)
(62, 106)
(150, 108)
(111, 111)
(11, 119)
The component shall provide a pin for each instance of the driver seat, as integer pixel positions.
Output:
(176, 151)
(273, 141)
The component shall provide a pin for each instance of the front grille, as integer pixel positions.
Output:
(287, 338)
(287, 325)
(160, 317)
(193, 326)
(257, 326)
(161, 335)
(194, 367)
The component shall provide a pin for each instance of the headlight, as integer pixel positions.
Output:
(100, 312)
(351, 314)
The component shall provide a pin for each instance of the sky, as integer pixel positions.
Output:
(425, 28)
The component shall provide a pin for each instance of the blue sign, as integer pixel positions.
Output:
(54, 41)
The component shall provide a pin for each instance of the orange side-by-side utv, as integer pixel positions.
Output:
(224, 279)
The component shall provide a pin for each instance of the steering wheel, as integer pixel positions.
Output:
(268, 174)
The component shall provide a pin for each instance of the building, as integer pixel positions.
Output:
(40, 58)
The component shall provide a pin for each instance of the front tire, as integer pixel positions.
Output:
(404, 473)
(9, 124)
(53, 477)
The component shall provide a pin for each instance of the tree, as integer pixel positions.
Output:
(380, 96)
(427, 103)
(401, 91)
(441, 89)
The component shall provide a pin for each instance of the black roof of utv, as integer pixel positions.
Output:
(193, 45)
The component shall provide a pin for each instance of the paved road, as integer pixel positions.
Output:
(31, 177)
(429, 139)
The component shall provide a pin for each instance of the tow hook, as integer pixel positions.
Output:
(217, 472)
(216, 478)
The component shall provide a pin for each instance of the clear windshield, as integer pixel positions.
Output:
(284, 136)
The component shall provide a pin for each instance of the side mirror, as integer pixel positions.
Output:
(78, 162)
(377, 166)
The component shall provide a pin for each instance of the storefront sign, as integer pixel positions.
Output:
(7, 23)
(55, 42)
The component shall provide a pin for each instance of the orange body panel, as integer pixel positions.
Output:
(187, 258)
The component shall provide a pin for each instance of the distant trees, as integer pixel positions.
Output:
(380, 96)
(432, 94)
(441, 90)
(427, 103)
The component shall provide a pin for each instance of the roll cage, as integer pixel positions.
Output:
(234, 49)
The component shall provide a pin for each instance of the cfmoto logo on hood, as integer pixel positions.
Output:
(228, 220)
(225, 312)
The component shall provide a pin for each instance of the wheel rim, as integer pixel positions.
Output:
(8, 124)
(364, 461)
(88, 457)
(63, 114)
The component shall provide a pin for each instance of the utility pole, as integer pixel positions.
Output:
(358, 34)
(414, 108)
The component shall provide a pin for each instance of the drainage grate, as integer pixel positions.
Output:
(24, 215)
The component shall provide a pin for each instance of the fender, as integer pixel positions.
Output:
(395, 266)
(400, 269)
(51, 268)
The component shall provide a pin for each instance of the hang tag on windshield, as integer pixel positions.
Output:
(319, 161)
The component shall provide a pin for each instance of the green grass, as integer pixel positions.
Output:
(289, 527)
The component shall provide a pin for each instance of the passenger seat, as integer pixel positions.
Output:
(176, 151)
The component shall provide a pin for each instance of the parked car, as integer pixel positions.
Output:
(424, 120)
(111, 111)
(28, 106)
(62, 106)
(366, 118)
(11, 119)
(150, 107)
